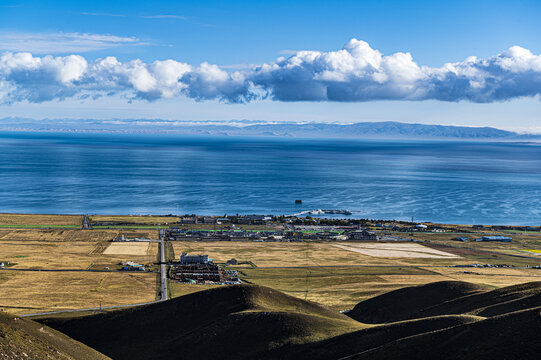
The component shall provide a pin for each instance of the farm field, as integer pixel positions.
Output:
(70, 235)
(392, 250)
(71, 255)
(335, 274)
(147, 220)
(128, 248)
(36, 220)
(63, 250)
(297, 254)
(340, 278)
(278, 254)
(32, 292)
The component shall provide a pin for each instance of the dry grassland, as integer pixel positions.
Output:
(67, 255)
(135, 219)
(73, 235)
(532, 252)
(490, 277)
(30, 219)
(32, 292)
(278, 254)
(340, 278)
(396, 250)
(127, 248)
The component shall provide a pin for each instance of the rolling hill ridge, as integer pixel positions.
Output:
(444, 320)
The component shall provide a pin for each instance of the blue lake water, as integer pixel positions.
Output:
(440, 181)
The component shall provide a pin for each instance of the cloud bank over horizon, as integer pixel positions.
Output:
(355, 73)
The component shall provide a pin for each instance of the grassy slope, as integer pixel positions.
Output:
(240, 321)
(403, 304)
(510, 336)
(366, 339)
(491, 303)
(246, 322)
(26, 339)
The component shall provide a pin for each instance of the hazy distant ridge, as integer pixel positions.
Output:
(381, 129)
(388, 129)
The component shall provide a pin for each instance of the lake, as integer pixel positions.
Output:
(440, 181)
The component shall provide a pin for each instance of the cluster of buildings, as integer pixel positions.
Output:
(240, 219)
(483, 266)
(500, 238)
(355, 234)
(122, 238)
(200, 269)
(131, 266)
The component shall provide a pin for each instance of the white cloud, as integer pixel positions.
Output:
(102, 14)
(63, 42)
(165, 16)
(354, 73)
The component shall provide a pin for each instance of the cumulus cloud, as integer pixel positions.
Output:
(354, 73)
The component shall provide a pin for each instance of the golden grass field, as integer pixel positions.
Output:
(128, 248)
(340, 278)
(33, 292)
(393, 250)
(31, 219)
(71, 235)
(151, 220)
(69, 255)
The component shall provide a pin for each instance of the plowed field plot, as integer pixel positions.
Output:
(127, 248)
(397, 250)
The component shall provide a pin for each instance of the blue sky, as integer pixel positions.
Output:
(238, 35)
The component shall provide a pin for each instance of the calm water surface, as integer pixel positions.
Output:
(441, 181)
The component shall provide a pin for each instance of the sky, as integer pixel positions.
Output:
(473, 63)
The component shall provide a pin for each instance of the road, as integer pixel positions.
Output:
(86, 223)
(163, 267)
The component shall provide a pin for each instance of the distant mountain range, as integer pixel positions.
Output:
(387, 129)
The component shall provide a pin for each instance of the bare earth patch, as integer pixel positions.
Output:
(127, 248)
(401, 250)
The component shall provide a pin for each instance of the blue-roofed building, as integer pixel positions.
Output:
(495, 238)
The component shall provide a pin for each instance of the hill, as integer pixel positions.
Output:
(366, 339)
(226, 322)
(27, 339)
(444, 320)
(502, 323)
(491, 303)
(384, 129)
(406, 303)
(510, 336)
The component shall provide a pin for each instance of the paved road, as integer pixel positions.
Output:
(163, 267)
(86, 222)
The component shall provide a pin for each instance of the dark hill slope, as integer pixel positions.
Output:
(27, 339)
(405, 303)
(511, 336)
(491, 303)
(366, 339)
(225, 322)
